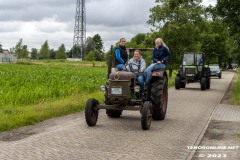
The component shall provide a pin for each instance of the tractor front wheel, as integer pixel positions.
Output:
(208, 83)
(146, 115)
(220, 76)
(203, 83)
(177, 82)
(91, 111)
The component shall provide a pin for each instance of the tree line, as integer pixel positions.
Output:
(94, 50)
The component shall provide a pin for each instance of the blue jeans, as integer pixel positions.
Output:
(141, 82)
(152, 67)
(120, 67)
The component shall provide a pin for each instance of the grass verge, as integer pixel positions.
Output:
(236, 91)
(11, 118)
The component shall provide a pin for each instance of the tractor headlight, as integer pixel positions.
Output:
(137, 88)
(103, 88)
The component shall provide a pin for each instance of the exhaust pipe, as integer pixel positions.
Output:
(110, 59)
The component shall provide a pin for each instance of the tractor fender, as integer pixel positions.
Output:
(161, 73)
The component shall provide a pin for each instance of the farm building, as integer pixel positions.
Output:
(7, 57)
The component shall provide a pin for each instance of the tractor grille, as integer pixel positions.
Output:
(190, 71)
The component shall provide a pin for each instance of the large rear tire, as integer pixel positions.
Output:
(146, 115)
(159, 97)
(203, 83)
(177, 82)
(91, 112)
(113, 113)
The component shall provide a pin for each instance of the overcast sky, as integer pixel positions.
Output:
(36, 21)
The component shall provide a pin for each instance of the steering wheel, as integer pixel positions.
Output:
(135, 71)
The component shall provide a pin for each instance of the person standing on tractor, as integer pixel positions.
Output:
(137, 65)
(121, 55)
(159, 56)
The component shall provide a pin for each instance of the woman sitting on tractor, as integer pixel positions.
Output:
(121, 55)
(159, 56)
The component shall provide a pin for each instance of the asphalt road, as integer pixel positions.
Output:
(70, 138)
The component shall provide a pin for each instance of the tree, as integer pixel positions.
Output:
(215, 42)
(98, 43)
(61, 52)
(34, 53)
(179, 23)
(20, 50)
(52, 54)
(229, 10)
(98, 56)
(24, 52)
(90, 45)
(98, 47)
(139, 38)
(44, 51)
(75, 52)
(215, 38)
(90, 56)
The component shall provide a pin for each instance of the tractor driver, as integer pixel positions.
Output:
(121, 55)
(137, 63)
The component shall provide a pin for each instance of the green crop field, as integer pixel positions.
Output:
(32, 91)
(28, 92)
(24, 85)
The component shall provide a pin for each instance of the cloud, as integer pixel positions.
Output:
(36, 21)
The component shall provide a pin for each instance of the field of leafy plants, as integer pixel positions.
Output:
(30, 84)
(31, 92)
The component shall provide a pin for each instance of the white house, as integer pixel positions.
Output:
(7, 57)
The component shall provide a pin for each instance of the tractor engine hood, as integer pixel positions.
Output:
(122, 75)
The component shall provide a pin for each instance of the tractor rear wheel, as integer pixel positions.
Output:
(91, 112)
(177, 82)
(146, 112)
(113, 113)
(159, 97)
(203, 83)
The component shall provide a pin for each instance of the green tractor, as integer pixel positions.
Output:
(193, 69)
